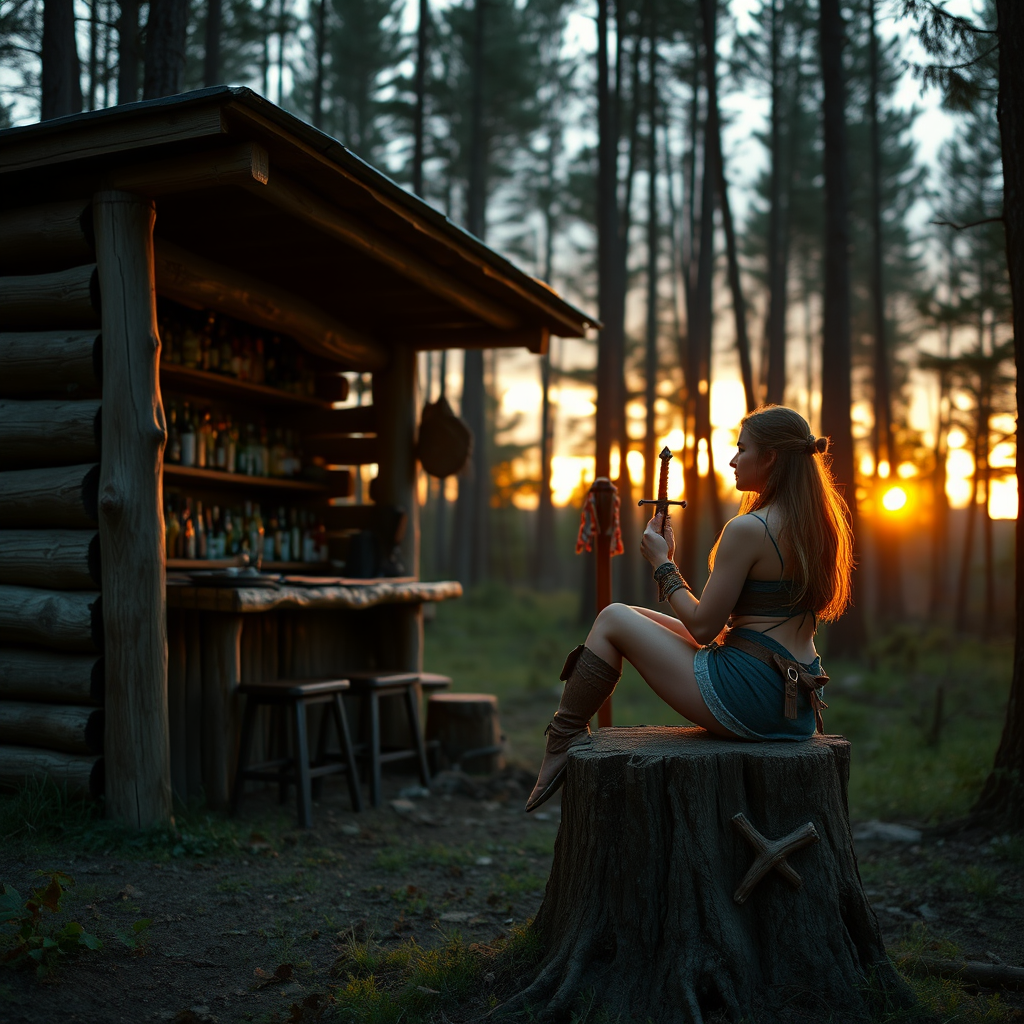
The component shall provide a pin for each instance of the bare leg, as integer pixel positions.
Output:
(667, 620)
(662, 655)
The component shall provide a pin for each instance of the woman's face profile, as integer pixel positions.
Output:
(747, 464)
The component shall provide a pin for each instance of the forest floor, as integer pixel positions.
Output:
(252, 919)
(262, 927)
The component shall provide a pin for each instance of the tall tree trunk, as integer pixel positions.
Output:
(777, 230)
(651, 349)
(937, 601)
(1001, 804)
(61, 83)
(889, 607)
(699, 357)
(441, 550)
(607, 234)
(627, 567)
(419, 115)
(963, 591)
(211, 55)
(128, 52)
(472, 509)
(94, 48)
(165, 48)
(544, 575)
(714, 138)
(318, 80)
(846, 636)
(282, 32)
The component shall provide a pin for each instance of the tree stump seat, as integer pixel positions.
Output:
(693, 874)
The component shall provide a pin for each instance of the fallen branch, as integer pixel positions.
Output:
(972, 971)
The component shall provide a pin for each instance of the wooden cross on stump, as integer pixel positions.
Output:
(771, 853)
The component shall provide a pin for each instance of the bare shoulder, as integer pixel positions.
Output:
(743, 533)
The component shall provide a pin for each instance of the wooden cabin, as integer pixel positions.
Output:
(184, 283)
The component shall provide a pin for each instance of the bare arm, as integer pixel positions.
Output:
(739, 549)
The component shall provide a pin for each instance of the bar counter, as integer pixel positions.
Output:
(220, 636)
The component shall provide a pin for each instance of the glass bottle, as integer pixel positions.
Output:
(173, 451)
(202, 549)
(188, 438)
(172, 527)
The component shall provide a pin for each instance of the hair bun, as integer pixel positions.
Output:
(816, 445)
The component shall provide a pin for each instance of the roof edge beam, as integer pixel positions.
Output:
(535, 339)
(303, 205)
(202, 284)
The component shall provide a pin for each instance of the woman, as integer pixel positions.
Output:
(778, 568)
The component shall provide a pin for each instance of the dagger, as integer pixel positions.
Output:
(661, 502)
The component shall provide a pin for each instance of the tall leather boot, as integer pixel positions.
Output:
(589, 681)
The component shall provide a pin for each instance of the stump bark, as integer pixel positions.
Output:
(640, 912)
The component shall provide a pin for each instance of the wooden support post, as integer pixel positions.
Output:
(222, 674)
(194, 705)
(49, 363)
(394, 396)
(131, 526)
(604, 498)
(60, 498)
(177, 704)
(47, 433)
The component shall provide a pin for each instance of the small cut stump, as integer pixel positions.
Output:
(695, 875)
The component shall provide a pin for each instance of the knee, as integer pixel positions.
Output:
(613, 615)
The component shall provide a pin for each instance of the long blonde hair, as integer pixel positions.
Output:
(815, 520)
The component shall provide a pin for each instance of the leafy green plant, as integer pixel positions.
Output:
(32, 942)
(135, 938)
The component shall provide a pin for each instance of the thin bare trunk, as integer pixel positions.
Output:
(128, 52)
(775, 347)
(321, 47)
(165, 48)
(421, 98)
(211, 56)
(846, 636)
(61, 85)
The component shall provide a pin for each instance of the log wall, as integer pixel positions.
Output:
(52, 675)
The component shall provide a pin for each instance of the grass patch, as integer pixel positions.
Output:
(407, 983)
(42, 817)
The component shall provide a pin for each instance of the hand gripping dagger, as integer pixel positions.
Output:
(661, 502)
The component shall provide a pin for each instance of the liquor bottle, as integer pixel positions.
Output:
(264, 451)
(190, 348)
(224, 341)
(269, 554)
(216, 542)
(202, 549)
(173, 452)
(220, 445)
(204, 441)
(295, 535)
(188, 531)
(211, 347)
(172, 527)
(236, 358)
(188, 438)
(309, 552)
(283, 541)
(320, 542)
(229, 534)
(259, 367)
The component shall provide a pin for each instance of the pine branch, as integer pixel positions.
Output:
(973, 223)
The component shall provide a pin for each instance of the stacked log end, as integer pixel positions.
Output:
(51, 615)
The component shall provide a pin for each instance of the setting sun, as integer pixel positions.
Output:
(894, 499)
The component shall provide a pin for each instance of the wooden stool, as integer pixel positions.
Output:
(431, 682)
(298, 695)
(466, 726)
(371, 686)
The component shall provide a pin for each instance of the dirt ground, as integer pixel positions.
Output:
(244, 936)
